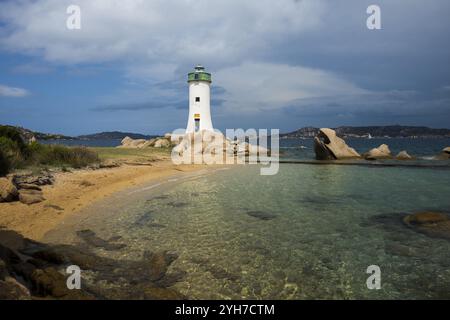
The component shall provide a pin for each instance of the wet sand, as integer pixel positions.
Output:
(73, 191)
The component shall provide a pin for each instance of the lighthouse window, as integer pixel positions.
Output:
(197, 99)
(196, 76)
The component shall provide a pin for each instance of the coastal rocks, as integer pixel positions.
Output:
(162, 143)
(128, 142)
(30, 196)
(49, 282)
(444, 155)
(29, 179)
(430, 223)
(216, 145)
(382, 152)
(8, 191)
(328, 146)
(41, 268)
(11, 289)
(403, 155)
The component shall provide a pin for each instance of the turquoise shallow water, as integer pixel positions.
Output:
(308, 232)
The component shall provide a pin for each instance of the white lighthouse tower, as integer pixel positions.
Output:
(199, 100)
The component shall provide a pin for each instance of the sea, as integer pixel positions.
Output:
(309, 232)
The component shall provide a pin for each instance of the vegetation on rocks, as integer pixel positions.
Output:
(15, 153)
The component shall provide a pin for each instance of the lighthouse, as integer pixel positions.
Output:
(199, 100)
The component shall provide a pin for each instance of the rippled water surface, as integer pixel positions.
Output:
(308, 232)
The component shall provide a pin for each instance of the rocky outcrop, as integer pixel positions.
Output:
(403, 155)
(128, 142)
(382, 152)
(328, 146)
(215, 144)
(162, 143)
(433, 224)
(39, 272)
(444, 155)
(8, 191)
(24, 187)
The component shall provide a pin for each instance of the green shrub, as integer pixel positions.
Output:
(12, 151)
(4, 164)
(58, 155)
(14, 135)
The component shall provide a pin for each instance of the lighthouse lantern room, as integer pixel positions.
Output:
(199, 100)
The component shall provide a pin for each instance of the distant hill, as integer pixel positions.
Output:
(395, 131)
(114, 135)
(28, 134)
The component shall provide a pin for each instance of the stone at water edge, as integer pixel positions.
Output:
(8, 191)
(403, 155)
(382, 152)
(432, 224)
(328, 146)
(426, 217)
(444, 155)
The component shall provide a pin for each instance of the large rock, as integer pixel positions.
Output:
(433, 224)
(30, 196)
(127, 142)
(444, 155)
(403, 155)
(8, 191)
(328, 146)
(162, 143)
(382, 152)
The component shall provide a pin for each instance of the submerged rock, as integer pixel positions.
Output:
(328, 146)
(382, 152)
(40, 267)
(432, 224)
(262, 215)
(92, 239)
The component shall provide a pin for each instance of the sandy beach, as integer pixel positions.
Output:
(75, 190)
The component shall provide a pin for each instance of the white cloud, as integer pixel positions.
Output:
(159, 31)
(266, 86)
(6, 91)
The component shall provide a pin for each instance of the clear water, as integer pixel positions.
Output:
(325, 225)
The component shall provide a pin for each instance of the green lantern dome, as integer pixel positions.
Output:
(199, 74)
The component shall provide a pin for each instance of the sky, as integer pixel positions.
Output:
(280, 64)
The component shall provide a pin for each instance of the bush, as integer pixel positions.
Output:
(15, 153)
(4, 164)
(58, 155)
(12, 151)
(14, 135)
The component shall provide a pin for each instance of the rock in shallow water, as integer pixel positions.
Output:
(262, 215)
(328, 146)
(430, 223)
(92, 239)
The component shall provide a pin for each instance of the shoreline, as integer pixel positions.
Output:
(74, 191)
